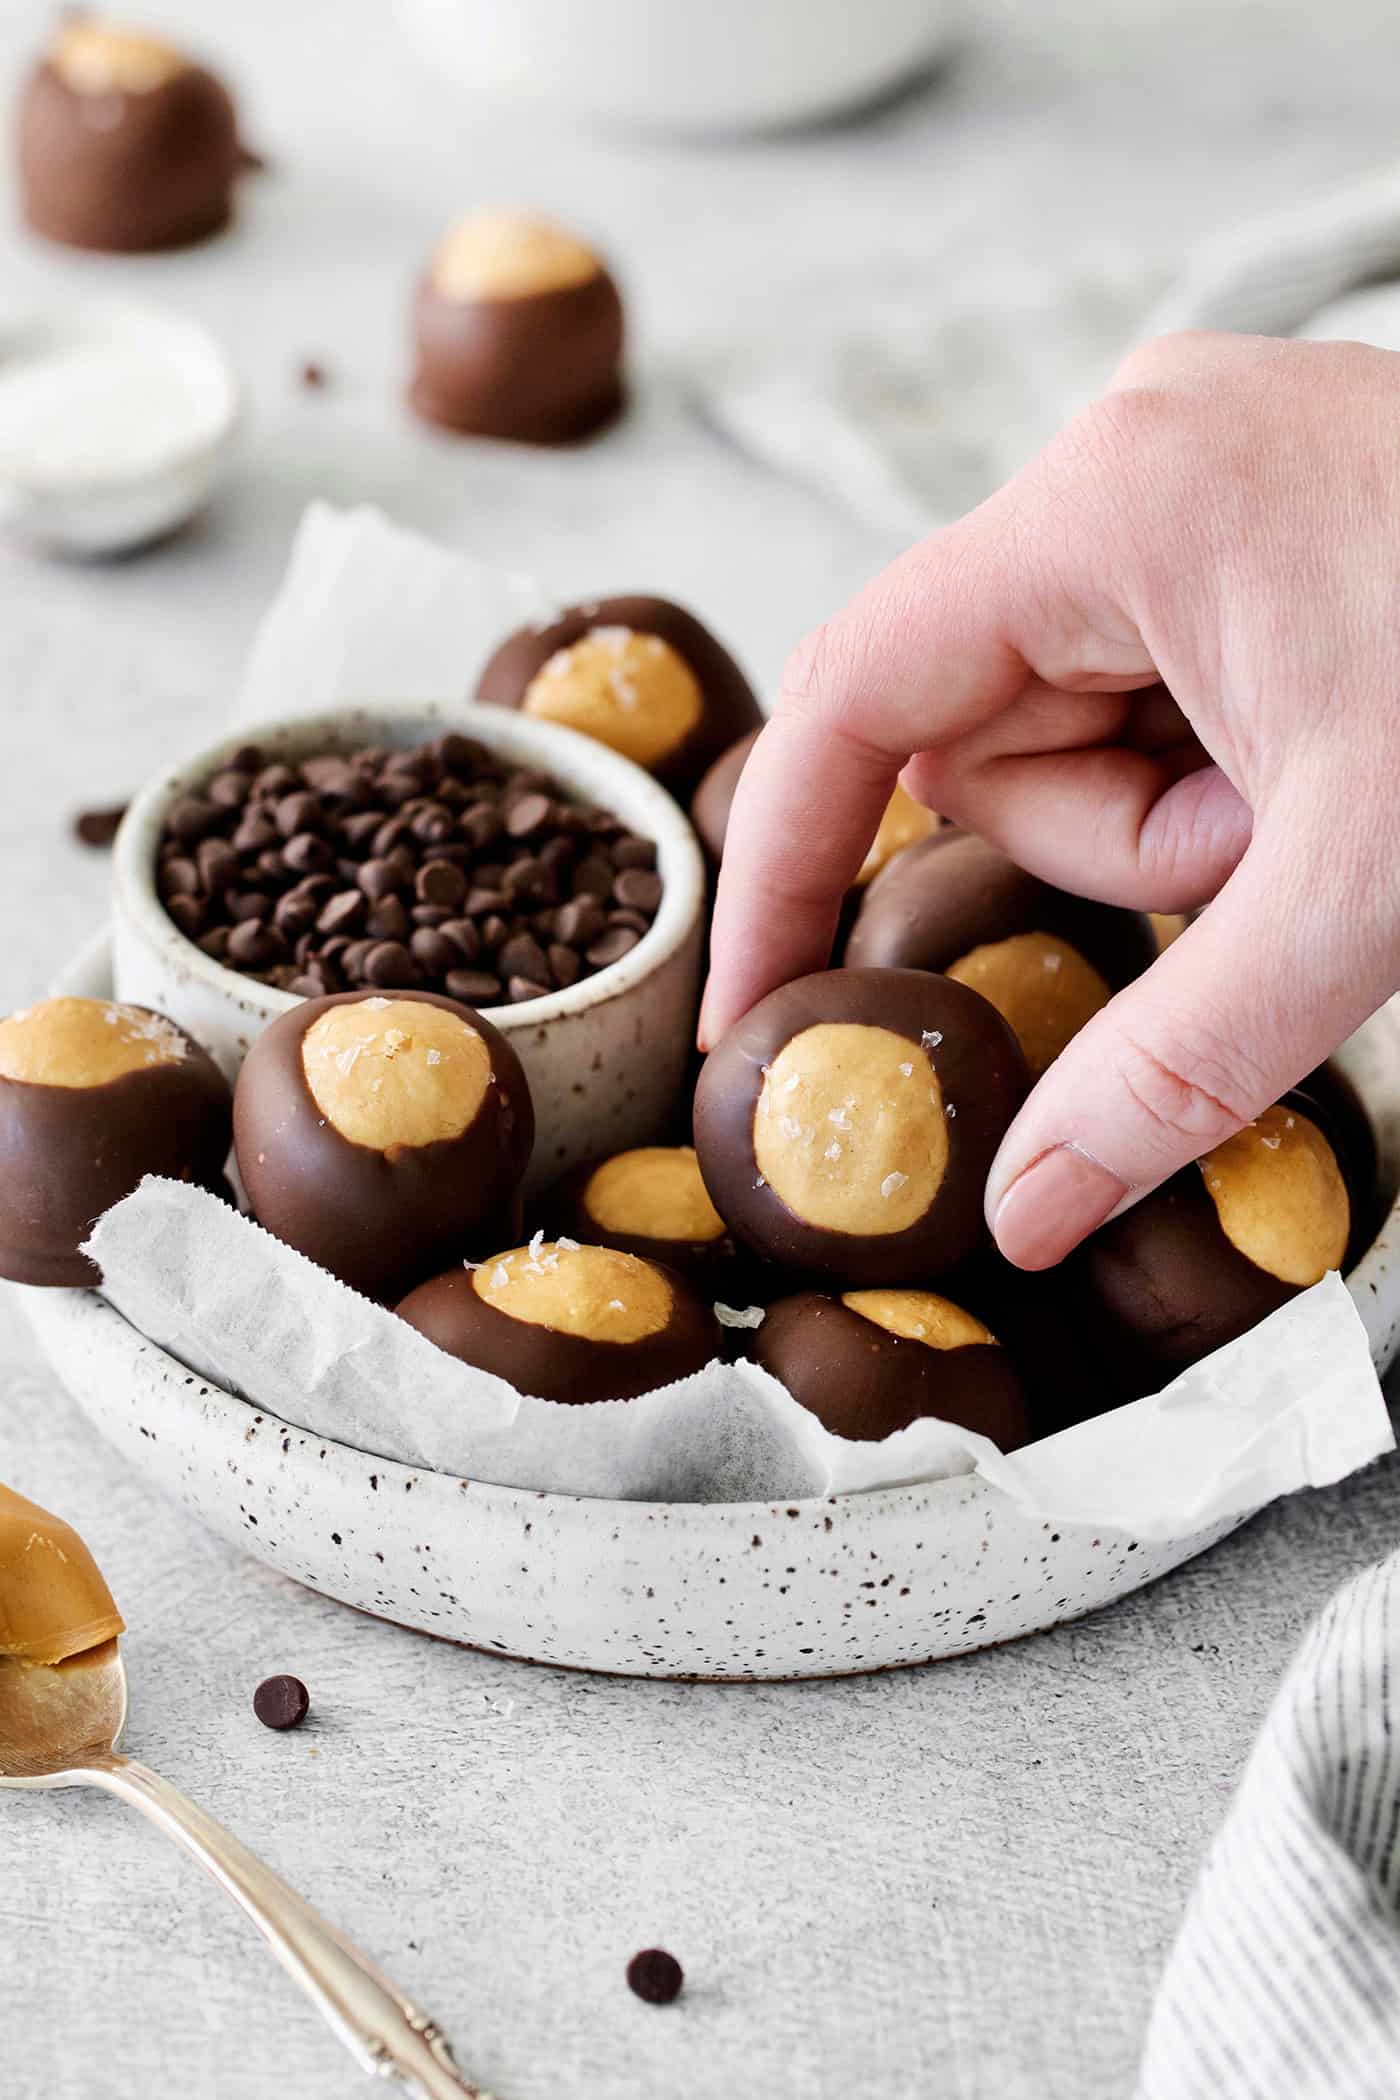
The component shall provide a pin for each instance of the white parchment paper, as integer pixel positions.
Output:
(1293, 1404)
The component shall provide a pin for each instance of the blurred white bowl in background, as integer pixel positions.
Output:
(116, 424)
(689, 66)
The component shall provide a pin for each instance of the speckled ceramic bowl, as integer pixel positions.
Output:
(605, 1059)
(728, 1590)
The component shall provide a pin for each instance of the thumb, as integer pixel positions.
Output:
(1253, 995)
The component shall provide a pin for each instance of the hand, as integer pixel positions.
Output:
(1160, 668)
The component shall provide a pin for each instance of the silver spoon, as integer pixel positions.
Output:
(59, 1726)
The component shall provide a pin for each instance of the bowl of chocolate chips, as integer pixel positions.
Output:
(470, 851)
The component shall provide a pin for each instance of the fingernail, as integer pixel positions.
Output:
(1052, 1204)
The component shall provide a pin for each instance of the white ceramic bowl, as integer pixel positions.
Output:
(606, 1059)
(690, 66)
(110, 477)
(725, 1590)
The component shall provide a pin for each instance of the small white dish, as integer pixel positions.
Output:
(811, 1588)
(116, 425)
(674, 66)
(606, 1059)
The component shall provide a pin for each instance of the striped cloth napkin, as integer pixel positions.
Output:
(1285, 1981)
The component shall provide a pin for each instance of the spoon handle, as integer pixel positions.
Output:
(386, 2032)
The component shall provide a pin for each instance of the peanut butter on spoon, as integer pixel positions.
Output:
(54, 1603)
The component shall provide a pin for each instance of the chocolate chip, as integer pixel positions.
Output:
(332, 777)
(522, 988)
(639, 889)
(179, 876)
(246, 904)
(481, 901)
(580, 922)
(611, 946)
(191, 818)
(655, 1976)
(215, 942)
(433, 952)
(528, 814)
(637, 920)
(218, 866)
(388, 921)
(274, 780)
(98, 827)
(282, 1702)
(187, 912)
(430, 914)
(474, 987)
(634, 853)
(390, 966)
(345, 913)
(483, 826)
(440, 883)
(464, 937)
(360, 826)
(255, 834)
(301, 811)
(305, 854)
(522, 956)
(253, 945)
(229, 789)
(564, 965)
(593, 877)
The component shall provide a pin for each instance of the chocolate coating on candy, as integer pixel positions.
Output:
(639, 674)
(568, 1323)
(845, 1127)
(652, 1202)
(871, 1362)
(382, 1135)
(93, 1097)
(1046, 960)
(903, 824)
(1215, 1250)
(518, 329)
(123, 143)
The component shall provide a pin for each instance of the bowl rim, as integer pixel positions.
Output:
(576, 761)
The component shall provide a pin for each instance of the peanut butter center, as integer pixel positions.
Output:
(593, 1293)
(849, 1129)
(85, 1042)
(905, 822)
(1040, 985)
(653, 1193)
(503, 255)
(387, 1073)
(96, 58)
(1280, 1196)
(919, 1316)
(630, 691)
(53, 1600)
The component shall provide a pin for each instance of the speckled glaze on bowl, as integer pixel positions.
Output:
(718, 1590)
(605, 1059)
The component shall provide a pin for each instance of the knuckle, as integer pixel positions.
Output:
(1161, 359)
(814, 676)
(1189, 1096)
